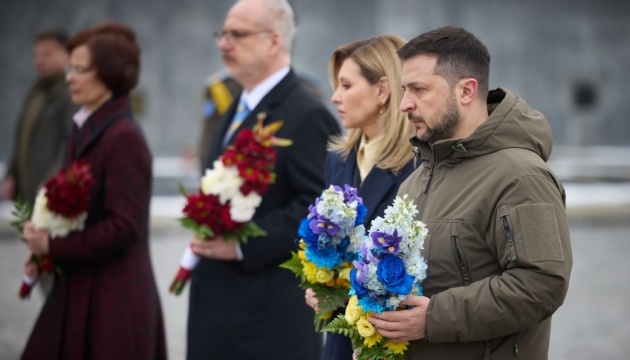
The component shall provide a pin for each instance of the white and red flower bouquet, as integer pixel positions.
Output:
(230, 193)
(61, 206)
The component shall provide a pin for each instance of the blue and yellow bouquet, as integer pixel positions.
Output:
(330, 238)
(389, 268)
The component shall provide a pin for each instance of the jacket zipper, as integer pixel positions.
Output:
(425, 193)
(508, 231)
(486, 356)
(460, 259)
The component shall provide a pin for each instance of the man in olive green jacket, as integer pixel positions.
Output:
(498, 249)
(45, 122)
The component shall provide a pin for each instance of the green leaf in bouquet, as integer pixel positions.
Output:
(330, 298)
(22, 212)
(182, 189)
(294, 264)
(340, 326)
(201, 231)
(377, 352)
(249, 230)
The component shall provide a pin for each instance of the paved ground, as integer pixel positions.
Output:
(592, 324)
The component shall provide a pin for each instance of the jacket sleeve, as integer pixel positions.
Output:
(123, 197)
(529, 230)
(304, 169)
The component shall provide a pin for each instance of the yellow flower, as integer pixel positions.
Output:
(342, 283)
(302, 244)
(364, 327)
(302, 255)
(397, 348)
(353, 301)
(372, 340)
(324, 276)
(310, 271)
(345, 273)
(353, 313)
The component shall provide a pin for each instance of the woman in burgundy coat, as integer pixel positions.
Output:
(104, 304)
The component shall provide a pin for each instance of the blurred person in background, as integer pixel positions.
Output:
(218, 95)
(43, 127)
(44, 123)
(242, 304)
(375, 157)
(105, 304)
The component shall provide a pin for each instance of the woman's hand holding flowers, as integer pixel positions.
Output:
(37, 240)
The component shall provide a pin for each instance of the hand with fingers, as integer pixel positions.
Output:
(216, 248)
(311, 299)
(403, 325)
(37, 240)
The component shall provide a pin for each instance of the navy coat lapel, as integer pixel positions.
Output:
(374, 189)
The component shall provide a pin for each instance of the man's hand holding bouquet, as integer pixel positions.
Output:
(229, 195)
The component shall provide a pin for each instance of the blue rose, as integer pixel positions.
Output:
(361, 213)
(309, 237)
(391, 273)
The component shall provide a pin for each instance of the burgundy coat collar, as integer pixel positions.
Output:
(110, 112)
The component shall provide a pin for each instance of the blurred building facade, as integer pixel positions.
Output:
(567, 58)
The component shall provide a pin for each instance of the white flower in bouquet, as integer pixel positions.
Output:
(55, 224)
(222, 181)
(242, 208)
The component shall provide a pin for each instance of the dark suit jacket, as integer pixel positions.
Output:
(378, 191)
(253, 309)
(105, 304)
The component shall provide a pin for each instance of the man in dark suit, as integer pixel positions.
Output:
(242, 305)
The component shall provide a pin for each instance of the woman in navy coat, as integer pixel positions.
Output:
(375, 156)
(105, 303)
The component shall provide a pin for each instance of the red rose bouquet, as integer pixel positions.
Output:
(230, 193)
(60, 207)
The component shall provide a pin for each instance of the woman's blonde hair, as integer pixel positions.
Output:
(377, 58)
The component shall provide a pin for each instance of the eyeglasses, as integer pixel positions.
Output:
(235, 35)
(77, 70)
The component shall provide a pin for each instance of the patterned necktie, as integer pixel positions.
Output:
(241, 113)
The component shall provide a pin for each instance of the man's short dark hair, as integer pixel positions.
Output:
(459, 54)
(57, 35)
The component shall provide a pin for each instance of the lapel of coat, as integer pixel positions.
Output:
(374, 188)
(109, 113)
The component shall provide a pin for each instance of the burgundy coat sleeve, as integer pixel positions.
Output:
(122, 169)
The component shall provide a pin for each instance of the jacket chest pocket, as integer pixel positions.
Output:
(448, 256)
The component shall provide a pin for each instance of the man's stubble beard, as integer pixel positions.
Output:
(445, 128)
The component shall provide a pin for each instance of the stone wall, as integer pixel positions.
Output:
(555, 54)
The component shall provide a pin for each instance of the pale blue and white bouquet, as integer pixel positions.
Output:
(390, 267)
